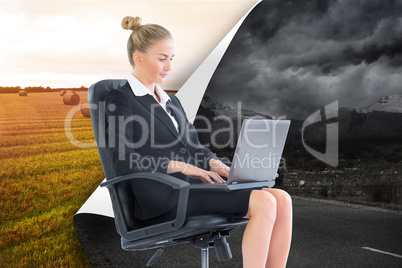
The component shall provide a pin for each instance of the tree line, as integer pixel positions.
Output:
(38, 89)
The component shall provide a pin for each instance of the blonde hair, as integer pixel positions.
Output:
(143, 36)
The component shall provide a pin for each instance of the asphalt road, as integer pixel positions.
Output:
(335, 235)
(325, 235)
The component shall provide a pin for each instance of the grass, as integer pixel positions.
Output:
(44, 180)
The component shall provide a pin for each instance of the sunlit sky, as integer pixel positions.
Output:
(73, 43)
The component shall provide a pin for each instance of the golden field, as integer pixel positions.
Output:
(44, 180)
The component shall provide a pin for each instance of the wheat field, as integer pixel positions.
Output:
(44, 180)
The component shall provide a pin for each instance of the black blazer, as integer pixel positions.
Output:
(142, 137)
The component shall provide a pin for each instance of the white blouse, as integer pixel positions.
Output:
(140, 90)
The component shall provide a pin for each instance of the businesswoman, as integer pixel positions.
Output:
(148, 131)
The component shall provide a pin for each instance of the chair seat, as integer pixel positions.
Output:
(193, 227)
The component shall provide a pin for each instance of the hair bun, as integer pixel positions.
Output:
(131, 23)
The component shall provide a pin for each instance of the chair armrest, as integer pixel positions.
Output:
(156, 176)
(175, 183)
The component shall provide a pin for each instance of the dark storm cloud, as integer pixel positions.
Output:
(292, 57)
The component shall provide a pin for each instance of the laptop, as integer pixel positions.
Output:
(257, 155)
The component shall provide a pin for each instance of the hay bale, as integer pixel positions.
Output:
(71, 98)
(63, 92)
(84, 107)
(23, 93)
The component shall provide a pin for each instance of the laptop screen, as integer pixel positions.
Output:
(259, 150)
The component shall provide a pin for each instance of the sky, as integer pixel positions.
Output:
(73, 43)
(291, 57)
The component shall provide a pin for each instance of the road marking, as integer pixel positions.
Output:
(383, 252)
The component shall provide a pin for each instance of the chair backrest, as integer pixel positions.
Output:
(96, 101)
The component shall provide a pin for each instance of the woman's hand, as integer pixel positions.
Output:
(194, 172)
(219, 167)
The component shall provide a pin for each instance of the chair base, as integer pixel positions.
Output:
(222, 250)
(195, 228)
(216, 240)
(204, 258)
(155, 257)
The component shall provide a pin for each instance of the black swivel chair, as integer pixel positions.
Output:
(204, 231)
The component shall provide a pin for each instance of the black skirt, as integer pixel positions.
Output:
(233, 204)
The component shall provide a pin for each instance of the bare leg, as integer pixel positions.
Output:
(257, 236)
(282, 231)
